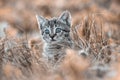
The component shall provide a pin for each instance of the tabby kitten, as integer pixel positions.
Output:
(55, 33)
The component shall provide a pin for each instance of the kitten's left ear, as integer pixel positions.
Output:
(66, 18)
(40, 20)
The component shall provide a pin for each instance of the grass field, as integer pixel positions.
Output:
(95, 29)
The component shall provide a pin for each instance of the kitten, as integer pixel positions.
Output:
(55, 34)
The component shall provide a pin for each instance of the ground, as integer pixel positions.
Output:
(95, 29)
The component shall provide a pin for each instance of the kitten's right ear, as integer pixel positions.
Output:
(40, 20)
(66, 18)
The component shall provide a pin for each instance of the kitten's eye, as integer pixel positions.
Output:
(46, 31)
(58, 30)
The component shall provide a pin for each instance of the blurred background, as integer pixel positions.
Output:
(100, 27)
(19, 15)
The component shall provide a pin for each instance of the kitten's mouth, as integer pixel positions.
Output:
(53, 40)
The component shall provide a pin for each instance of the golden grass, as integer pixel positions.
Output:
(96, 35)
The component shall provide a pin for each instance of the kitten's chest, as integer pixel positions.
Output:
(57, 46)
(53, 49)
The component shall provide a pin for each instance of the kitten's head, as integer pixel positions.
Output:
(55, 29)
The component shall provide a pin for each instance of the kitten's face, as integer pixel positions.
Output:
(56, 29)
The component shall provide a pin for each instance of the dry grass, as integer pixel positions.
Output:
(96, 37)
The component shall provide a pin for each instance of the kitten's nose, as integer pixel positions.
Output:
(52, 35)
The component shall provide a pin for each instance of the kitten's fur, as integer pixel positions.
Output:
(55, 33)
